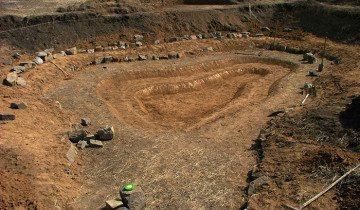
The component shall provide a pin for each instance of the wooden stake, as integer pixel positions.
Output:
(324, 191)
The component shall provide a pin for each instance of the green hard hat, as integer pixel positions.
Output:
(129, 186)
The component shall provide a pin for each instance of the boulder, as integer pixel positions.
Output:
(58, 55)
(138, 44)
(95, 143)
(134, 199)
(77, 135)
(256, 185)
(18, 105)
(259, 35)
(164, 57)
(310, 58)
(6, 116)
(106, 133)
(173, 55)
(138, 37)
(10, 79)
(21, 82)
(155, 57)
(98, 61)
(193, 37)
(113, 204)
(199, 36)
(313, 74)
(42, 55)
(85, 122)
(157, 41)
(71, 154)
(48, 58)
(115, 47)
(71, 51)
(245, 33)
(38, 61)
(18, 69)
(209, 49)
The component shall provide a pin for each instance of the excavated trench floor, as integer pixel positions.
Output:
(184, 128)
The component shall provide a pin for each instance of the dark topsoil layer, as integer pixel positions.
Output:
(75, 28)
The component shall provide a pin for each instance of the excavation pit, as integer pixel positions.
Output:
(187, 95)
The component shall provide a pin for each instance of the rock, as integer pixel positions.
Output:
(108, 49)
(82, 144)
(98, 61)
(49, 58)
(280, 47)
(90, 51)
(108, 59)
(99, 49)
(134, 199)
(106, 133)
(85, 122)
(173, 55)
(42, 55)
(309, 57)
(142, 57)
(138, 44)
(18, 105)
(49, 51)
(164, 57)
(28, 64)
(123, 47)
(259, 35)
(276, 113)
(77, 135)
(71, 154)
(38, 61)
(138, 37)
(6, 116)
(209, 49)
(113, 204)
(18, 69)
(265, 29)
(199, 36)
(155, 57)
(257, 184)
(287, 29)
(193, 37)
(8, 61)
(157, 41)
(21, 82)
(71, 51)
(231, 35)
(171, 39)
(313, 74)
(95, 143)
(16, 56)
(89, 136)
(10, 79)
(115, 47)
(245, 33)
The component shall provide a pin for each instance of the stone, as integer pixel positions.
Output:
(134, 199)
(286, 29)
(90, 51)
(95, 143)
(49, 58)
(85, 122)
(199, 36)
(106, 133)
(113, 204)
(49, 51)
(173, 55)
(164, 57)
(309, 57)
(108, 48)
(8, 61)
(21, 82)
(123, 47)
(98, 61)
(259, 35)
(115, 47)
(18, 69)
(280, 47)
(256, 185)
(108, 59)
(142, 57)
(230, 35)
(81, 51)
(138, 37)
(99, 49)
(82, 144)
(28, 64)
(265, 29)
(10, 79)
(89, 136)
(157, 41)
(138, 44)
(16, 56)
(209, 49)
(313, 74)
(171, 39)
(38, 61)
(71, 51)
(193, 37)
(245, 33)
(71, 154)
(18, 105)
(155, 57)
(42, 54)
(6, 116)
(77, 135)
